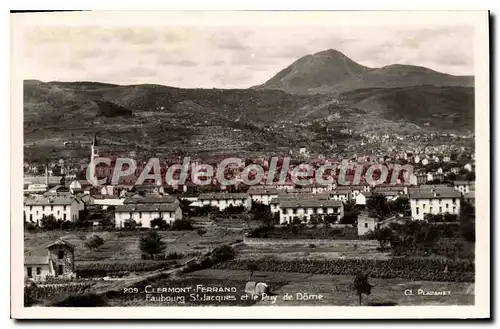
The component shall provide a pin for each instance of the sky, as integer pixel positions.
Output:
(224, 57)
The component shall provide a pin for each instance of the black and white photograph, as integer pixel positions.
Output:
(209, 161)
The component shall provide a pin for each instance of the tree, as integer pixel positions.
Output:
(152, 244)
(384, 236)
(158, 223)
(129, 224)
(94, 242)
(378, 206)
(251, 267)
(362, 286)
(468, 221)
(50, 222)
(400, 206)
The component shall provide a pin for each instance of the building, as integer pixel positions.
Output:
(224, 200)
(264, 194)
(343, 195)
(365, 224)
(434, 201)
(63, 207)
(144, 213)
(363, 197)
(464, 186)
(106, 200)
(304, 208)
(58, 262)
(275, 203)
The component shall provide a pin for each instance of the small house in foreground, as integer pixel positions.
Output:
(58, 262)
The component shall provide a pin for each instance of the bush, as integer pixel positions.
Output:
(112, 268)
(85, 300)
(94, 242)
(159, 223)
(152, 244)
(411, 269)
(182, 225)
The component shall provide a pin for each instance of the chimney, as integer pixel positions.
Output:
(46, 176)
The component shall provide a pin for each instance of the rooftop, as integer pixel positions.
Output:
(147, 207)
(51, 200)
(310, 203)
(222, 196)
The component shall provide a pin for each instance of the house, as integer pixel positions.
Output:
(304, 208)
(224, 200)
(434, 201)
(363, 197)
(365, 224)
(78, 185)
(263, 194)
(353, 190)
(107, 200)
(399, 189)
(275, 203)
(144, 213)
(469, 167)
(470, 197)
(64, 207)
(464, 186)
(343, 195)
(58, 262)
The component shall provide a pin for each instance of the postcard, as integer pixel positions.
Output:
(250, 165)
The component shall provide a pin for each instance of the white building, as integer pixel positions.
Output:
(362, 197)
(224, 200)
(304, 208)
(464, 186)
(263, 194)
(64, 207)
(107, 200)
(144, 213)
(434, 201)
(340, 195)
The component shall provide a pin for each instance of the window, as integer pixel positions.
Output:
(38, 270)
(423, 206)
(446, 206)
(65, 208)
(31, 217)
(31, 207)
(454, 200)
(30, 273)
(440, 209)
(58, 213)
(430, 209)
(51, 208)
(60, 254)
(294, 211)
(60, 270)
(64, 216)
(140, 215)
(417, 210)
(454, 209)
(37, 212)
(43, 208)
(366, 225)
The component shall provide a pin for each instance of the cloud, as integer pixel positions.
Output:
(229, 40)
(231, 57)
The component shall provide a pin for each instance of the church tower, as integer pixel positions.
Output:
(93, 154)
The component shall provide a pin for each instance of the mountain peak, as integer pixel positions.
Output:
(322, 69)
(330, 52)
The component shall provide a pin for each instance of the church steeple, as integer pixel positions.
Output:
(93, 148)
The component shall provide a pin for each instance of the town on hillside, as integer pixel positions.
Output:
(244, 162)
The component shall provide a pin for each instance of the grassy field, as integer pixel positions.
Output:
(124, 245)
(334, 249)
(337, 290)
